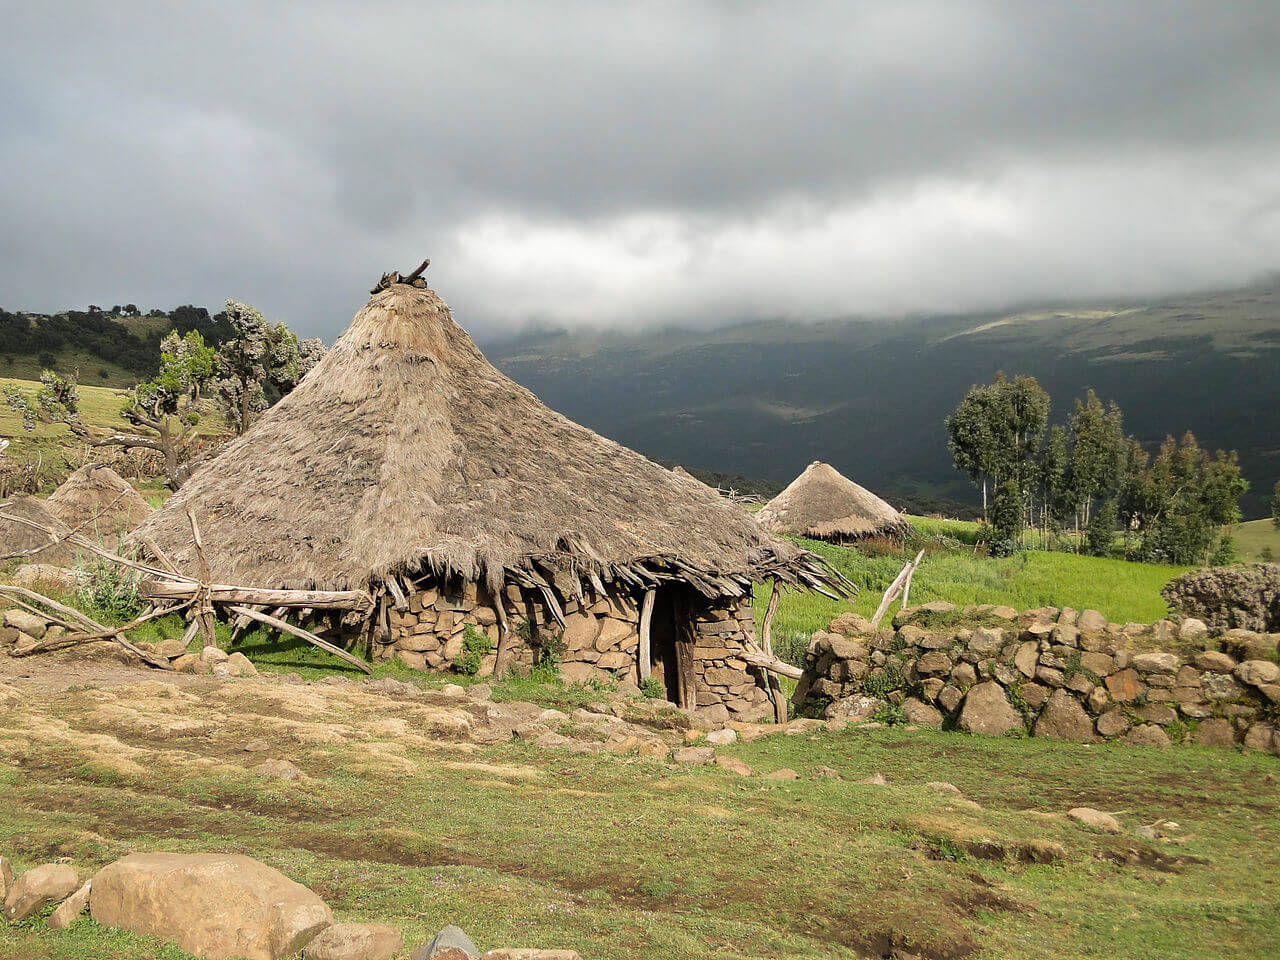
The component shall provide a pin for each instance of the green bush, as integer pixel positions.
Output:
(108, 589)
(475, 646)
(891, 715)
(880, 685)
(652, 688)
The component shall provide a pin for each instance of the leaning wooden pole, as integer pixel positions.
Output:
(766, 644)
(202, 606)
(301, 634)
(644, 657)
(895, 588)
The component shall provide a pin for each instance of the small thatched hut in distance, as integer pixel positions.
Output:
(97, 502)
(405, 465)
(19, 541)
(824, 504)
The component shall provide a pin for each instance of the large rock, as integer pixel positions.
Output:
(851, 625)
(356, 941)
(853, 708)
(41, 885)
(27, 623)
(1192, 628)
(1245, 597)
(1216, 661)
(212, 905)
(449, 938)
(920, 713)
(1256, 673)
(987, 710)
(6, 878)
(1091, 621)
(36, 575)
(1064, 719)
(70, 909)
(1155, 662)
(1147, 735)
(1216, 732)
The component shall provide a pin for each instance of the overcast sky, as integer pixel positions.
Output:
(610, 163)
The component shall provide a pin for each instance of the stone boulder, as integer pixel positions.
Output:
(1095, 818)
(853, 708)
(851, 625)
(987, 710)
(37, 887)
(1155, 663)
(1257, 673)
(70, 909)
(1091, 621)
(920, 713)
(1147, 735)
(1246, 596)
(449, 944)
(27, 623)
(212, 905)
(356, 941)
(36, 575)
(1216, 732)
(6, 879)
(1063, 718)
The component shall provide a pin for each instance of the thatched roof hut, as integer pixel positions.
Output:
(404, 464)
(29, 544)
(823, 504)
(404, 450)
(95, 501)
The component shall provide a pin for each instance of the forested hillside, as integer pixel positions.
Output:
(870, 397)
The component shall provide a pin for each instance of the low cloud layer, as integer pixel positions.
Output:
(629, 164)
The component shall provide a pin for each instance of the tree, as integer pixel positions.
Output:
(1275, 505)
(995, 431)
(1007, 519)
(1102, 529)
(1055, 486)
(189, 359)
(1189, 498)
(260, 364)
(1097, 449)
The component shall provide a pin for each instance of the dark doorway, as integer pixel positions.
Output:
(664, 665)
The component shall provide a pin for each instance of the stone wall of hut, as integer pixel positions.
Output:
(599, 640)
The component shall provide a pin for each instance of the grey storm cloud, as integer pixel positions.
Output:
(635, 163)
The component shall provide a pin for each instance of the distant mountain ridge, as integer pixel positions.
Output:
(869, 396)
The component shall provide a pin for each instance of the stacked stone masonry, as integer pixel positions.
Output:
(1049, 672)
(599, 640)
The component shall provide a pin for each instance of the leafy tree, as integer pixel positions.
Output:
(994, 433)
(1189, 497)
(258, 365)
(1055, 480)
(1007, 519)
(1275, 505)
(189, 358)
(1097, 450)
(1102, 529)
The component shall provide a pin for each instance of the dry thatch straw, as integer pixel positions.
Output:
(20, 541)
(405, 452)
(823, 504)
(98, 501)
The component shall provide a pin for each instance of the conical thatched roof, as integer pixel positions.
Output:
(97, 501)
(20, 541)
(824, 504)
(404, 450)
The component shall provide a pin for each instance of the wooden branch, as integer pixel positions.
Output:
(766, 643)
(502, 658)
(895, 588)
(767, 661)
(553, 605)
(159, 554)
(89, 545)
(906, 586)
(417, 273)
(397, 594)
(203, 604)
(163, 587)
(644, 655)
(302, 634)
(109, 633)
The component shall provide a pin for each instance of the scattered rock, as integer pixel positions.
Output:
(1091, 621)
(212, 655)
(278, 770)
(34, 575)
(1192, 629)
(453, 690)
(191, 663)
(1043, 851)
(802, 725)
(257, 745)
(698, 755)
(70, 909)
(1215, 661)
(171, 648)
(1113, 723)
(941, 786)
(212, 905)
(875, 780)
(27, 623)
(41, 885)
(722, 738)
(1095, 818)
(356, 941)
(853, 708)
(826, 773)
(851, 625)
(482, 693)
(734, 765)
(1064, 719)
(1147, 735)
(6, 878)
(786, 773)
(237, 665)
(987, 710)
(450, 938)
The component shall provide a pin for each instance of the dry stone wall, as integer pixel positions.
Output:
(599, 640)
(1050, 672)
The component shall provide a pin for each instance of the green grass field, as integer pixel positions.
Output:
(1254, 537)
(619, 857)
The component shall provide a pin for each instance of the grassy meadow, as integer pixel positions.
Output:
(1255, 536)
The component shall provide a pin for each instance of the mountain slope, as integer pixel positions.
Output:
(870, 397)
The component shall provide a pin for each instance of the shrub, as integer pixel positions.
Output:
(475, 646)
(1101, 530)
(880, 685)
(652, 688)
(891, 715)
(108, 589)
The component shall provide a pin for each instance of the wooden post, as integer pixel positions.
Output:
(895, 588)
(766, 644)
(203, 606)
(501, 660)
(644, 656)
